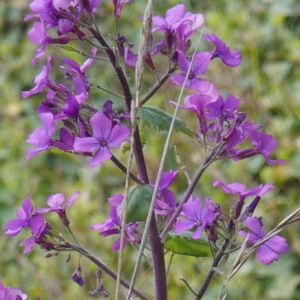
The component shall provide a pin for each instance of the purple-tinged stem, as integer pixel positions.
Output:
(155, 242)
(212, 270)
(157, 86)
(104, 268)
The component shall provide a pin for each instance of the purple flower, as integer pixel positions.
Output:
(188, 25)
(177, 26)
(268, 251)
(41, 81)
(105, 136)
(79, 76)
(130, 58)
(241, 190)
(38, 35)
(118, 6)
(263, 144)
(173, 17)
(62, 14)
(237, 133)
(15, 226)
(71, 108)
(196, 217)
(41, 137)
(165, 203)
(113, 225)
(91, 5)
(11, 293)
(199, 67)
(222, 110)
(77, 276)
(113, 115)
(39, 229)
(34, 221)
(55, 202)
(197, 103)
(230, 58)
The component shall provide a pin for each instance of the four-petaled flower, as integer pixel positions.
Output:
(56, 205)
(196, 217)
(199, 67)
(106, 135)
(268, 251)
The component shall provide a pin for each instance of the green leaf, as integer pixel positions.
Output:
(184, 244)
(157, 118)
(139, 200)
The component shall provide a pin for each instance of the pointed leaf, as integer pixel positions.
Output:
(139, 199)
(157, 118)
(184, 244)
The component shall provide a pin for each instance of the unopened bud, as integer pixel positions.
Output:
(50, 254)
(68, 257)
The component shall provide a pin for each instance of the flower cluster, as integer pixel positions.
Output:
(42, 233)
(70, 123)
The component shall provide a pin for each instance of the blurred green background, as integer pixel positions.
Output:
(267, 33)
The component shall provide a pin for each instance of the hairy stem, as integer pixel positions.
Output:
(157, 86)
(119, 72)
(124, 169)
(212, 269)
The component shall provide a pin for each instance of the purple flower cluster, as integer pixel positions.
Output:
(86, 130)
(92, 137)
(209, 217)
(41, 231)
(70, 123)
(223, 126)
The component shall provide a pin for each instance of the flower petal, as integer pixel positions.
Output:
(87, 144)
(100, 156)
(265, 254)
(117, 136)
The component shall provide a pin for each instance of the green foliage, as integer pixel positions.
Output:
(184, 244)
(161, 120)
(139, 199)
